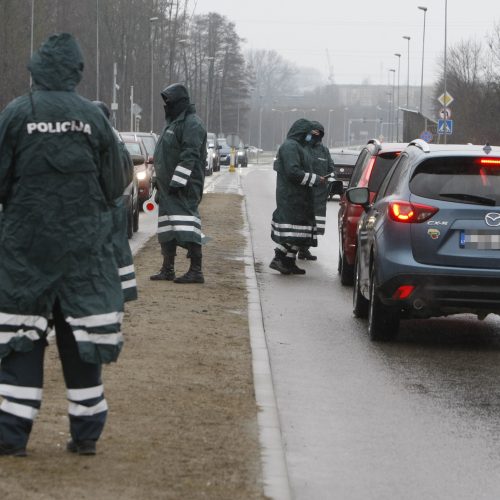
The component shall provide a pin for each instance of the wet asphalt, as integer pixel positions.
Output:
(416, 418)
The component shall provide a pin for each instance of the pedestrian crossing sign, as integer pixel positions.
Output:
(445, 127)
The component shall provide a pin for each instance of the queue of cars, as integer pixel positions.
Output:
(419, 227)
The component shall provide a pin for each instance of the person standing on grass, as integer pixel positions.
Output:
(180, 157)
(60, 171)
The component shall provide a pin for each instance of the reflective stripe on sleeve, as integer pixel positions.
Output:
(183, 170)
(179, 180)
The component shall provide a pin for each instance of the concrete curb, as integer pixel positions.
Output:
(274, 468)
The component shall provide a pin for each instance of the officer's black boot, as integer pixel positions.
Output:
(305, 254)
(292, 266)
(278, 263)
(194, 274)
(167, 272)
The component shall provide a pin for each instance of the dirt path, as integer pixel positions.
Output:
(183, 419)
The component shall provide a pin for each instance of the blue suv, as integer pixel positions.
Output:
(429, 243)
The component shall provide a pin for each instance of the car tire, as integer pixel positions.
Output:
(383, 321)
(360, 304)
(346, 273)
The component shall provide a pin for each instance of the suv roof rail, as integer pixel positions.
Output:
(421, 144)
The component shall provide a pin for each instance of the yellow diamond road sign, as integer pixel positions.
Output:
(446, 99)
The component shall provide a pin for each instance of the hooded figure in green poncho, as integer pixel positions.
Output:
(321, 164)
(60, 171)
(293, 225)
(180, 157)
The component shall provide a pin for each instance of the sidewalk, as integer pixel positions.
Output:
(183, 417)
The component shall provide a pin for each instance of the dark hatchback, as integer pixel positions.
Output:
(343, 167)
(429, 243)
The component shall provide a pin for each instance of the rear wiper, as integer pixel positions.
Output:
(481, 200)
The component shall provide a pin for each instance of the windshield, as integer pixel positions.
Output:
(133, 148)
(149, 144)
(459, 180)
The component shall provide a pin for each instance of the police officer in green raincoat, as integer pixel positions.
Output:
(293, 224)
(180, 157)
(322, 165)
(60, 171)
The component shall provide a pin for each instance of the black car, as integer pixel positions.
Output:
(343, 167)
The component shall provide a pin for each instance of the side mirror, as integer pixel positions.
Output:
(358, 196)
(150, 160)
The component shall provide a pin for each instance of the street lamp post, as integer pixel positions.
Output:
(445, 49)
(330, 111)
(152, 20)
(393, 71)
(408, 74)
(345, 127)
(397, 104)
(424, 9)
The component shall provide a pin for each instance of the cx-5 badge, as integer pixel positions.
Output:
(492, 219)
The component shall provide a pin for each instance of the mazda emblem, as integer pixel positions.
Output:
(492, 219)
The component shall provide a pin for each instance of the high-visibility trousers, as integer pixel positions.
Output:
(21, 382)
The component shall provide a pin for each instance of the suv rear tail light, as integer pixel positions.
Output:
(489, 161)
(404, 211)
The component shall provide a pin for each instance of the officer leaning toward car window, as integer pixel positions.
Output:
(322, 165)
(60, 171)
(180, 157)
(293, 223)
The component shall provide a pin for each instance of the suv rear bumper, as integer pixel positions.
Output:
(441, 295)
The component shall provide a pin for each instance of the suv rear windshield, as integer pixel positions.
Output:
(458, 179)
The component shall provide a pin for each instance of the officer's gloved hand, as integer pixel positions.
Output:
(174, 190)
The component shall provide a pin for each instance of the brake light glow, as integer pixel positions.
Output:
(404, 211)
(403, 292)
(489, 161)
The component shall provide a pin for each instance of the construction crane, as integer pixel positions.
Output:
(330, 67)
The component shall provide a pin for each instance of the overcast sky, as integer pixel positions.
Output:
(361, 36)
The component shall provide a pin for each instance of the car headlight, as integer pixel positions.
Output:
(141, 175)
(240, 153)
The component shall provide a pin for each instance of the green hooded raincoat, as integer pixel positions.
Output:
(60, 169)
(322, 164)
(180, 158)
(293, 220)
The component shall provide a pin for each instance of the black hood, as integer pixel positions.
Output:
(176, 98)
(57, 64)
(299, 130)
(318, 126)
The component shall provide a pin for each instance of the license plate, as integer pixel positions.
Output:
(480, 240)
